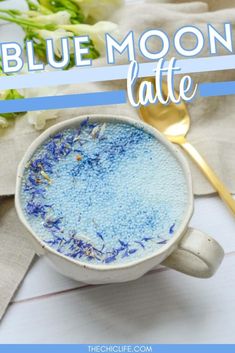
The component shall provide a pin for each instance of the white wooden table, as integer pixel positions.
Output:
(162, 307)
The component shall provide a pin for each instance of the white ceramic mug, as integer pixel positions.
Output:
(189, 251)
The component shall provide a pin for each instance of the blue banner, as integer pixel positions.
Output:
(118, 348)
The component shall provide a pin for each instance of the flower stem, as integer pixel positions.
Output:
(27, 23)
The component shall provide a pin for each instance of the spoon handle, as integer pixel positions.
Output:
(210, 174)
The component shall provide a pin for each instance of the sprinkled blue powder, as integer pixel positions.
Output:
(104, 193)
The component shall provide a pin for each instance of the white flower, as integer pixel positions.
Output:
(2, 94)
(40, 92)
(98, 9)
(4, 122)
(39, 118)
(56, 36)
(58, 18)
(96, 32)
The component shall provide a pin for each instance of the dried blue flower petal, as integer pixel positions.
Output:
(123, 244)
(132, 251)
(147, 239)
(139, 243)
(110, 259)
(99, 234)
(53, 223)
(85, 123)
(162, 242)
(36, 209)
(172, 229)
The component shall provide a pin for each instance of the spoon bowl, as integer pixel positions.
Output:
(172, 119)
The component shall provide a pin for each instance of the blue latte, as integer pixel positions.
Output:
(104, 193)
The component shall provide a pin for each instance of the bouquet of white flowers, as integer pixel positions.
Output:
(57, 19)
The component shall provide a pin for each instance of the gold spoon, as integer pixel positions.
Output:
(174, 122)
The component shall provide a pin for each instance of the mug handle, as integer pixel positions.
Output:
(197, 255)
